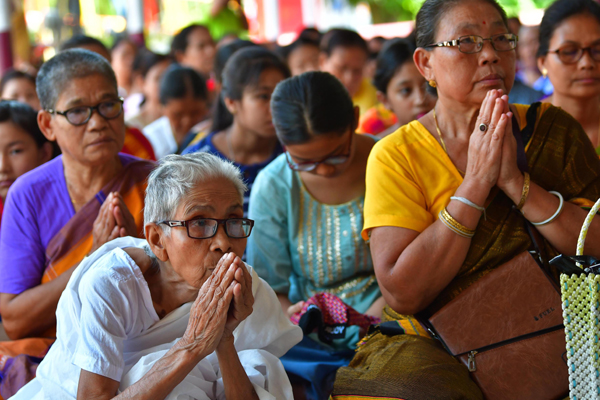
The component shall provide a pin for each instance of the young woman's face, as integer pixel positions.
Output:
(23, 90)
(406, 96)
(183, 114)
(347, 64)
(151, 86)
(304, 59)
(18, 154)
(582, 78)
(253, 111)
(200, 51)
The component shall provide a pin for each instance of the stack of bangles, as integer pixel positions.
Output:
(454, 225)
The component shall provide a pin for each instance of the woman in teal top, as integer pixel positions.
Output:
(308, 211)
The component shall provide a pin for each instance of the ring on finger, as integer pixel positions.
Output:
(483, 127)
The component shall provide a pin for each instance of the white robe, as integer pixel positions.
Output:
(106, 324)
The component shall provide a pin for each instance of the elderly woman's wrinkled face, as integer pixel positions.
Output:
(99, 140)
(195, 259)
(582, 78)
(466, 78)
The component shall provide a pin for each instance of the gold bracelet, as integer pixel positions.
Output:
(525, 193)
(454, 225)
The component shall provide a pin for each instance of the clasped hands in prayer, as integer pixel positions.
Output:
(114, 220)
(225, 300)
(492, 157)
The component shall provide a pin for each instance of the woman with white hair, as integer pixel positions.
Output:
(177, 315)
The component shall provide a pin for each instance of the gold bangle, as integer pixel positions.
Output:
(454, 225)
(525, 193)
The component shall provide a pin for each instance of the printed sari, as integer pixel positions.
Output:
(560, 157)
(137, 145)
(19, 358)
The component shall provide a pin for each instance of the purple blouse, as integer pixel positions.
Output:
(37, 207)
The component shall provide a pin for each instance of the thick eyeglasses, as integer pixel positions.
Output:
(474, 44)
(80, 115)
(570, 54)
(311, 165)
(205, 228)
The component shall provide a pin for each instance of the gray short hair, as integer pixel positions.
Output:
(177, 175)
(67, 65)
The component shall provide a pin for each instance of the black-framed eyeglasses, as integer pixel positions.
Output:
(205, 228)
(474, 44)
(572, 53)
(80, 115)
(311, 165)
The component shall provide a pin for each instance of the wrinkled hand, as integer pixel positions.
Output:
(509, 170)
(485, 148)
(209, 313)
(294, 308)
(243, 300)
(123, 217)
(105, 227)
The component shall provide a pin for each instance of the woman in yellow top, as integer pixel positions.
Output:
(569, 54)
(428, 184)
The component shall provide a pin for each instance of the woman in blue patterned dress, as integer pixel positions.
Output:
(308, 208)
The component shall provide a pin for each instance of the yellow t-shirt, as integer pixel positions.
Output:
(366, 97)
(410, 178)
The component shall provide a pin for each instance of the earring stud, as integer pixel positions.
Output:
(432, 83)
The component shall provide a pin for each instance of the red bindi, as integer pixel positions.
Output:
(484, 22)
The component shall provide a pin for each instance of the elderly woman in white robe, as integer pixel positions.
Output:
(175, 316)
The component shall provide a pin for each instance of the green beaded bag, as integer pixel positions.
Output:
(580, 292)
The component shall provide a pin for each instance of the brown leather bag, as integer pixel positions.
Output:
(508, 330)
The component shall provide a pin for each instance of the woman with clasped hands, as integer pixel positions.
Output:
(177, 315)
(447, 199)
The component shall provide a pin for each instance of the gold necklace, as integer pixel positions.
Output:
(437, 127)
(439, 132)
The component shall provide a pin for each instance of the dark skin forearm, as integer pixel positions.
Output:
(236, 381)
(33, 312)
(162, 378)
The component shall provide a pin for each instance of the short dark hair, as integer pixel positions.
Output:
(311, 104)
(145, 60)
(559, 12)
(225, 52)
(345, 38)
(431, 12)
(180, 40)
(78, 41)
(392, 57)
(12, 74)
(178, 82)
(24, 117)
(241, 71)
(65, 66)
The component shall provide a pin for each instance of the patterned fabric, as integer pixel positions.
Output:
(302, 247)
(560, 157)
(329, 316)
(376, 120)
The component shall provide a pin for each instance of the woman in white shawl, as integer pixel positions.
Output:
(178, 315)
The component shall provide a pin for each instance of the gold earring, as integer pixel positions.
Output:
(544, 73)
(432, 83)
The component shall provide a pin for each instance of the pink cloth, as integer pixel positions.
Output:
(335, 312)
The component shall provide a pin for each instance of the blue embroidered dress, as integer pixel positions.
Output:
(301, 246)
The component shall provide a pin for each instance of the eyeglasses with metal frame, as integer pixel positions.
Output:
(205, 228)
(312, 165)
(471, 44)
(80, 115)
(572, 53)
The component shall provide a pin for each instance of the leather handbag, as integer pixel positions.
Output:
(507, 328)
